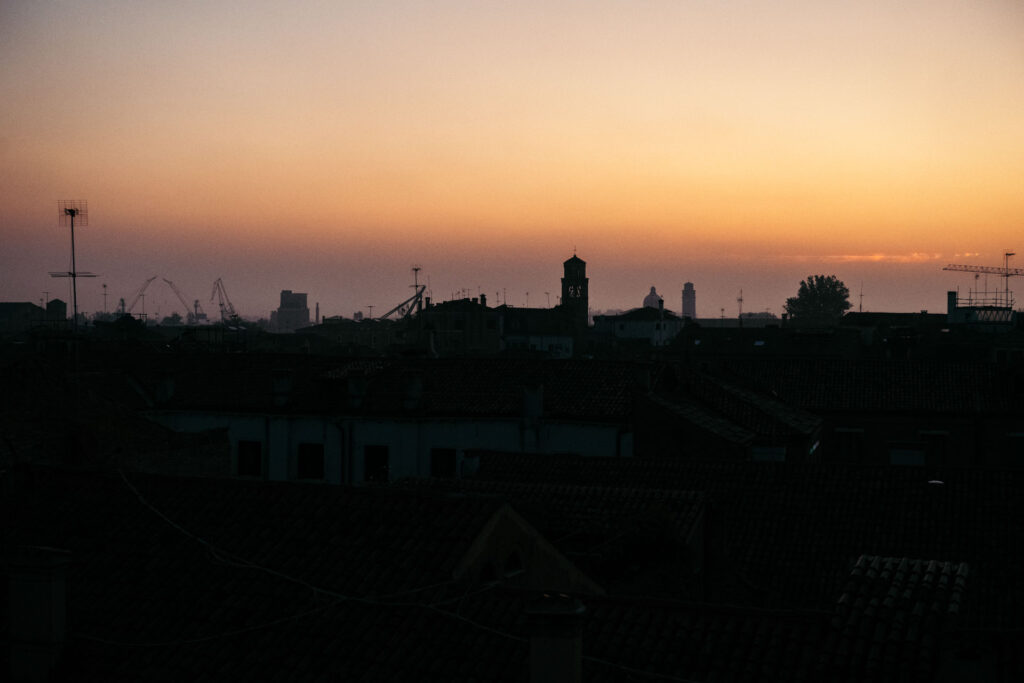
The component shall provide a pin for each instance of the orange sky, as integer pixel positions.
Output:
(326, 147)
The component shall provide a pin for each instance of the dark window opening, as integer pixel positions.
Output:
(375, 464)
(513, 565)
(310, 461)
(849, 445)
(442, 462)
(250, 459)
(906, 454)
(935, 448)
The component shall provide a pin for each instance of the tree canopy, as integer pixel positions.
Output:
(820, 297)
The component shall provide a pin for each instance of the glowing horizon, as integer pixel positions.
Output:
(328, 146)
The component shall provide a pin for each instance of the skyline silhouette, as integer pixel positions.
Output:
(326, 149)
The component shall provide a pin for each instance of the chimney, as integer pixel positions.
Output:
(37, 611)
(483, 300)
(556, 638)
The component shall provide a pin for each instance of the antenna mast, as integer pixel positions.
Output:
(69, 209)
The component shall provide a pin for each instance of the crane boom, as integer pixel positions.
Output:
(192, 313)
(227, 311)
(406, 308)
(180, 296)
(1005, 272)
(138, 294)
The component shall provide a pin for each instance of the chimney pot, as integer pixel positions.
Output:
(556, 638)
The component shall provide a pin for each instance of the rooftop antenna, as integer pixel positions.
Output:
(861, 309)
(104, 297)
(739, 302)
(68, 211)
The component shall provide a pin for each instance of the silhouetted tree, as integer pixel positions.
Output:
(820, 297)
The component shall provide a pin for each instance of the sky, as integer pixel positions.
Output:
(328, 147)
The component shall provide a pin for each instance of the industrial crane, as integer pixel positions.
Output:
(414, 304)
(193, 315)
(139, 294)
(227, 311)
(1006, 271)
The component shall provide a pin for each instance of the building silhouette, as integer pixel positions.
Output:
(575, 291)
(293, 313)
(653, 299)
(689, 301)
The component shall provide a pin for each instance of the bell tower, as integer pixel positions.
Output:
(575, 296)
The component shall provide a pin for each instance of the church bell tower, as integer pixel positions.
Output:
(575, 296)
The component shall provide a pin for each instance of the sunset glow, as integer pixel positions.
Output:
(326, 147)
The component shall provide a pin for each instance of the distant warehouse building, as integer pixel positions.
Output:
(293, 313)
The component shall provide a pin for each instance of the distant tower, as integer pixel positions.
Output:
(689, 301)
(575, 290)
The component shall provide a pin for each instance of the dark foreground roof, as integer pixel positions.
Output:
(188, 579)
(791, 531)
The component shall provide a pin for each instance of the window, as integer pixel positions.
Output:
(768, 453)
(310, 461)
(849, 444)
(250, 459)
(442, 462)
(935, 446)
(375, 464)
(906, 454)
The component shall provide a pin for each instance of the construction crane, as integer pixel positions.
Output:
(1006, 272)
(140, 293)
(414, 304)
(193, 314)
(227, 311)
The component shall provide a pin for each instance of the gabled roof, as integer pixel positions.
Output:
(599, 527)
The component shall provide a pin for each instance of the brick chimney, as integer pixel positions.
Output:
(556, 638)
(38, 611)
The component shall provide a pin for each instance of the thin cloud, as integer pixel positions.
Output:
(880, 257)
(876, 257)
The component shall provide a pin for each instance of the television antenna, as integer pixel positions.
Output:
(68, 211)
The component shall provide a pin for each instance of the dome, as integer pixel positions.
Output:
(652, 300)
